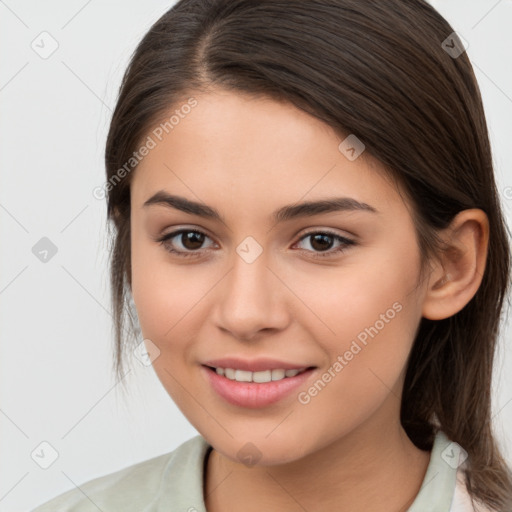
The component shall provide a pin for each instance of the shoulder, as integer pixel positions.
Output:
(135, 487)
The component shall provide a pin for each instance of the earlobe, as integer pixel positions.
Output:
(459, 270)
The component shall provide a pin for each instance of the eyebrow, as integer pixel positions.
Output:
(284, 213)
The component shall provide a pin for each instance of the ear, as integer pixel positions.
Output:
(457, 273)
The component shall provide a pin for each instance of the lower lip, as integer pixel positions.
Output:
(253, 395)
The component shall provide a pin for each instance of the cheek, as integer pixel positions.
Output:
(374, 318)
(367, 312)
(155, 289)
(168, 297)
(348, 298)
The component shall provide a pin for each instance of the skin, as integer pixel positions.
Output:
(246, 157)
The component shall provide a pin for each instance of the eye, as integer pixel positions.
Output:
(190, 239)
(323, 240)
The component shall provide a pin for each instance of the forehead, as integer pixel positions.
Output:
(235, 149)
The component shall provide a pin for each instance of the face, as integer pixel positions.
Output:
(328, 290)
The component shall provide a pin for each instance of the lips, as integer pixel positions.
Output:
(253, 394)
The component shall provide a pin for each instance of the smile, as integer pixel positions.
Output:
(260, 377)
(252, 390)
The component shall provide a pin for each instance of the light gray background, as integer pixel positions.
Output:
(55, 361)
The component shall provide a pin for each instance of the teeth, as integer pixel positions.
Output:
(278, 374)
(243, 376)
(260, 377)
(265, 376)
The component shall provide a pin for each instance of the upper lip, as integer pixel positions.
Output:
(254, 365)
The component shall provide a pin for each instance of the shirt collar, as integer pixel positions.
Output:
(181, 487)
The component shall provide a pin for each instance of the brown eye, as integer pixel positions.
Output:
(322, 242)
(184, 242)
(192, 240)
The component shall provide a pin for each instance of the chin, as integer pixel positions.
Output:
(261, 451)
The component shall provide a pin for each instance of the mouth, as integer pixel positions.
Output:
(255, 389)
(259, 377)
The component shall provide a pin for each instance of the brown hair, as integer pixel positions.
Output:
(377, 69)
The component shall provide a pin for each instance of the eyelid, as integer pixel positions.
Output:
(328, 231)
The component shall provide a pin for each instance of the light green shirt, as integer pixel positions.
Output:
(173, 482)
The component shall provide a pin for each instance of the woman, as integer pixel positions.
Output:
(305, 216)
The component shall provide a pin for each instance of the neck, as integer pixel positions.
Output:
(375, 468)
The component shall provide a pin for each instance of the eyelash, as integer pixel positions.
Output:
(329, 253)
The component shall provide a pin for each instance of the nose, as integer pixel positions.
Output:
(252, 299)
